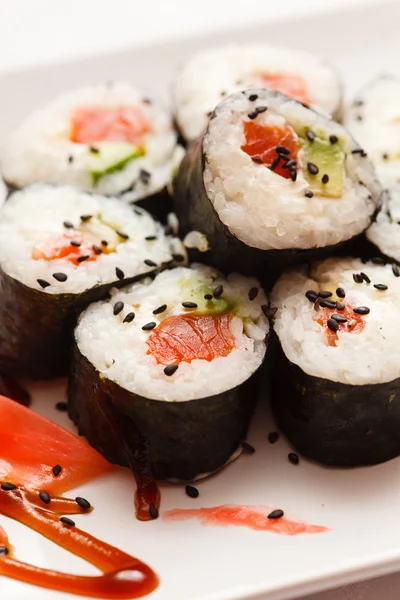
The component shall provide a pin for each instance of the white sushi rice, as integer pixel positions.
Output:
(267, 211)
(374, 119)
(36, 215)
(119, 350)
(366, 357)
(40, 149)
(217, 72)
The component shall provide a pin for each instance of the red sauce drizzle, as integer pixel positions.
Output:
(354, 323)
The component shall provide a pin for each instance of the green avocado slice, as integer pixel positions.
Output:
(107, 157)
(204, 307)
(329, 158)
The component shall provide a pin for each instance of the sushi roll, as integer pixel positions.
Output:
(336, 376)
(170, 362)
(61, 249)
(374, 119)
(272, 180)
(213, 74)
(108, 138)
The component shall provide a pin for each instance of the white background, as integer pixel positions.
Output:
(34, 32)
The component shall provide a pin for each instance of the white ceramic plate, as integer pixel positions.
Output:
(211, 563)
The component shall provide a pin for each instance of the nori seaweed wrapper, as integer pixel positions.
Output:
(183, 440)
(334, 423)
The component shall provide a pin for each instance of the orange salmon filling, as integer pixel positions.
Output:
(186, 337)
(291, 85)
(61, 247)
(355, 322)
(107, 124)
(261, 143)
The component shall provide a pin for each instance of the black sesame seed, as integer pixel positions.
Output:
(150, 263)
(261, 109)
(359, 118)
(153, 511)
(377, 260)
(44, 496)
(137, 211)
(293, 458)
(178, 257)
(308, 194)
(340, 293)
(119, 273)
(56, 470)
(208, 297)
(75, 243)
(3, 550)
(144, 176)
(273, 437)
(253, 114)
(218, 291)
(275, 163)
(70, 159)
(361, 310)
(150, 238)
(276, 514)
(325, 178)
(358, 103)
(257, 159)
(94, 150)
(67, 521)
(118, 306)
(191, 491)
(85, 218)
(129, 317)
(358, 151)
(97, 250)
(333, 139)
(82, 259)
(396, 270)
(385, 156)
(160, 309)
(312, 168)
(82, 503)
(7, 486)
(325, 303)
(339, 318)
(310, 135)
(317, 303)
(62, 406)
(149, 326)
(189, 305)
(311, 295)
(380, 286)
(365, 277)
(68, 225)
(357, 278)
(282, 150)
(324, 294)
(253, 97)
(60, 277)
(170, 370)
(122, 235)
(104, 243)
(43, 284)
(333, 325)
(293, 174)
(253, 293)
(340, 305)
(248, 448)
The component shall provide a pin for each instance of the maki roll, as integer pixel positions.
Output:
(109, 138)
(374, 118)
(168, 364)
(213, 74)
(336, 377)
(270, 181)
(61, 249)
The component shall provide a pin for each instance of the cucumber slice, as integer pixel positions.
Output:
(107, 157)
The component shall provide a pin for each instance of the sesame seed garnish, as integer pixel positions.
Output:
(325, 178)
(144, 176)
(137, 211)
(312, 168)
(269, 312)
(377, 260)
(97, 250)
(357, 278)
(253, 97)
(385, 156)
(217, 291)
(178, 257)
(170, 370)
(208, 297)
(85, 218)
(273, 437)
(94, 150)
(160, 309)
(310, 135)
(253, 114)
(359, 118)
(380, 286)
(82, 259)
(62, 406)
(276, 514)
(153, 511)
(149, 326)
(358, 151)
(44, 496)
(311, 295)
(82, 503)
(361, 310)
(324, 294)
(396, 270)
(253, 293)
(289, 164)
(56, 470)
(119, 273)
(293, 458)
(248, 448)
(68, 225)
(340, 293)
(317, 304)
(43, 283)
(147, 100)
(118, 307)
(75, 243)
(325, 303)
(122, 235)
(189, 305)
(60, 277)
(352, 323)
(332, 325)
(129, 317)
(67, 521)
(3, 550)
(150, 238)
(339, 318)
(261, 109)
(282, 150)
(340, 305)
(309, 194)
(7, 486)
(333, 139)
(70, 159)
(150, 263)
(275, 163)
(104, 243)
(358, 103)
(293, 174)
(257, 159)
(191, 491)
(365, 277)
